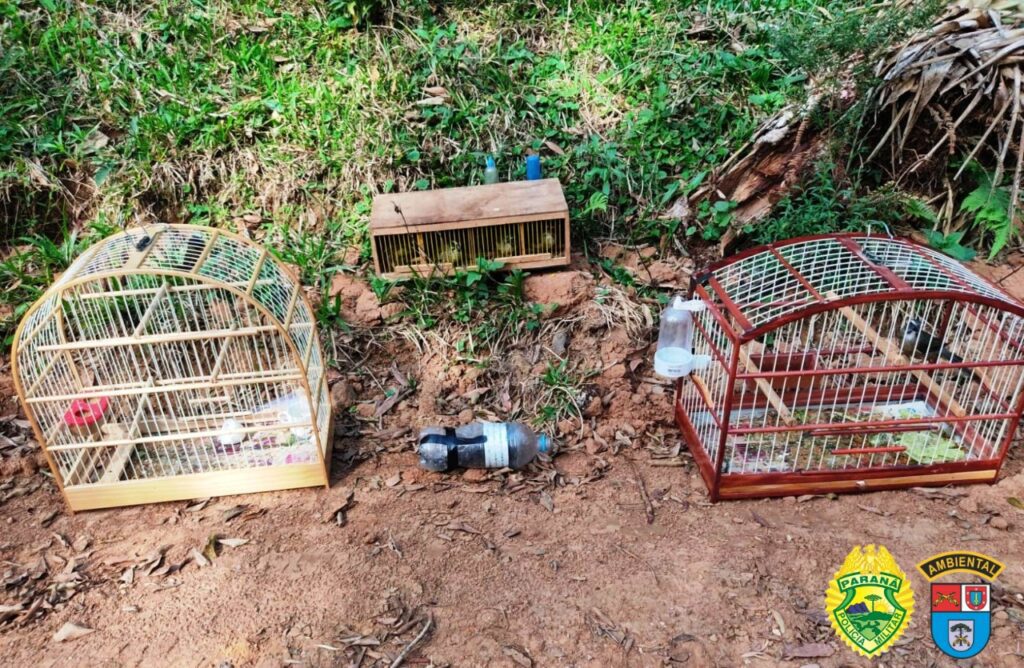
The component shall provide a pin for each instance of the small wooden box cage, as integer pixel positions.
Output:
(182, 367)
(522, 224)
(847, 363)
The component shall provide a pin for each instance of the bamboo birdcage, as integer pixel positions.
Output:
(850, 362)
(174, 362)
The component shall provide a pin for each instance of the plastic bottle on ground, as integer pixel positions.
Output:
(491, 445)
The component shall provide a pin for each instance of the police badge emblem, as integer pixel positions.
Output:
(869, 601)
(961, 618)
(961, 611)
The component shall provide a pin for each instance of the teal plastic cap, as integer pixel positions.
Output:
(544, 443)
(490, 161)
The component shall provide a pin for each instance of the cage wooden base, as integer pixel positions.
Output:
(761, 485)
(199, 485)
(195, 486)
(734, 487)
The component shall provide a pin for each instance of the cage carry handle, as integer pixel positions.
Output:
(883, 225)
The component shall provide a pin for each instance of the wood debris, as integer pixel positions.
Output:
(603, 626)
(71, 631)
(953, 90)
(397, 633)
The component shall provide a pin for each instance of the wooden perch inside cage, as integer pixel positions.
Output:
(171, 363)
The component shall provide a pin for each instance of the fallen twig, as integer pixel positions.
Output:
(408, 648)
(642, 561)
(648, 506)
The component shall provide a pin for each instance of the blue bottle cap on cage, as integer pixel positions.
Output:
(543, 443)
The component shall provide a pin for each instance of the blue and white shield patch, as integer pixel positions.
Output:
(959, 627)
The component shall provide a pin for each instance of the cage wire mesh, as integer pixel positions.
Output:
(839, 361)
(192, 354)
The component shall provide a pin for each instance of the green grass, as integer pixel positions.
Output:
(28, 269)
(560, 391)
(825, 202)
(298, 113)
(485, 307)
(210, 86)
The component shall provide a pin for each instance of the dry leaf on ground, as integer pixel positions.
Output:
(71, 631)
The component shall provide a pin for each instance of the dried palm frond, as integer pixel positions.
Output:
(954, 94)
(1012, 11)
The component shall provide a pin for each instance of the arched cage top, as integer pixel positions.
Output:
(204, 254)
(771, 285)
(174, 351)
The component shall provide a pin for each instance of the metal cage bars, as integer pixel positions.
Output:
(831, 367)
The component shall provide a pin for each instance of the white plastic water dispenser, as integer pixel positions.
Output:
(674, 357)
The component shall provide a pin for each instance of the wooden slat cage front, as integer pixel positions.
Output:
(523, 224)
(182, 368)
(846, 363)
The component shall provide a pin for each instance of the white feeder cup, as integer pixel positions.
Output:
(674, 357)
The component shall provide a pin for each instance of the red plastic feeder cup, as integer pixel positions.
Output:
(86, 418)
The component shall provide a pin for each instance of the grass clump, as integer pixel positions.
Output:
(31, 265)
(825, 202)
(480, 309)
(842, 40)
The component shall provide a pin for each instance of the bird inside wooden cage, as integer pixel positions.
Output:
(546, 243)
(399, 254)
(450, 254)
(505, 246)
(917, 341)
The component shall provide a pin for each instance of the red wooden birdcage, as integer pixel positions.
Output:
(850, 362)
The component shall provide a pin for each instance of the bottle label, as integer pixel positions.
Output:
(496, 445)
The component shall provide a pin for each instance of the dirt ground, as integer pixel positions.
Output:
(608, 554)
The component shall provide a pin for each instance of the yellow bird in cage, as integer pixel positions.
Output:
(400, 255)
(451, 254)
(505, 247)
(545, 244)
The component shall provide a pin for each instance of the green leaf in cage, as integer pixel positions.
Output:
(926, 448)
